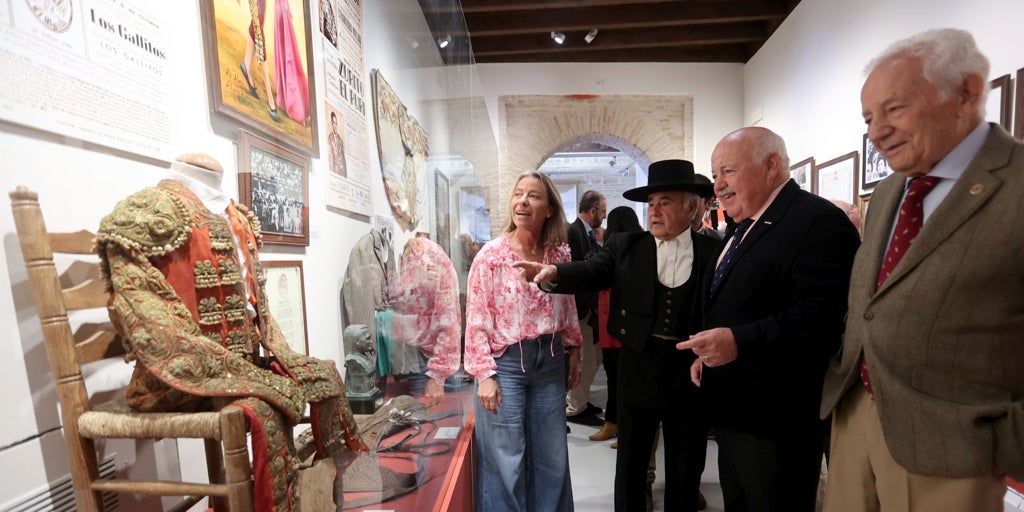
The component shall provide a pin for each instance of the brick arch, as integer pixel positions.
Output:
(605, 139)
(533, 127)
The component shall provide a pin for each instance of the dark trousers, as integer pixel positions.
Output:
(610, 361)
(770, 474)
(655, 387)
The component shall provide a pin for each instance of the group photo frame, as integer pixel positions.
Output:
(274, 183)
(800, 172)
(873, 168)
(259, 61)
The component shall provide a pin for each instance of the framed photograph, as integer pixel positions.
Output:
(1018, 116)
(259, 61)
(474, 223)
(873, 167)
(998, 109)
(274, 183)
(442, 212)
(286, 295)
(865, 200)
(837, 178)
(801, 173)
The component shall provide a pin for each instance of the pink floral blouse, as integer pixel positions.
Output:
(500, 312)
(426, 312)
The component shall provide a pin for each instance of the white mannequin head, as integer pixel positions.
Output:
(200, 167)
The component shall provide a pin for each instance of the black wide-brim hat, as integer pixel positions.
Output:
(667, 175)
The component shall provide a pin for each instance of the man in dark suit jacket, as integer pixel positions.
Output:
(582, 243)
(938, 334)
(706, 202)
(774, 302)
(655, 277)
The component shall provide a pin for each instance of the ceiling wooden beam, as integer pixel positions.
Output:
(608, 40)
(640, 16)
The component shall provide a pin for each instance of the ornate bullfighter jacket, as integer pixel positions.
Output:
(187, 292)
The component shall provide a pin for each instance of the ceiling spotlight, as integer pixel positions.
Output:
(558, 37)
(589, 38)
(444, 41)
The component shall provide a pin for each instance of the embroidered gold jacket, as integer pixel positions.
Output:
(196, 319)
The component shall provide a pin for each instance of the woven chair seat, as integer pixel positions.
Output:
(148, 425)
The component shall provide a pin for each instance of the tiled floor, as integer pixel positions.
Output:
(592, 465)
(593, 470)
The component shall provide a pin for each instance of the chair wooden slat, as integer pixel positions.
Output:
(101, 345)
(86, 295)
(79, 242)
(160, 488)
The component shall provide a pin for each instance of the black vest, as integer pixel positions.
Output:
(673, 308)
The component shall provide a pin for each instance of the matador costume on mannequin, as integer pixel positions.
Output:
(188, 294)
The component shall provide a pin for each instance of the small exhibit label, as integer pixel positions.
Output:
(447, 432)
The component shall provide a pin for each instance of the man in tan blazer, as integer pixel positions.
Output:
(928, 389)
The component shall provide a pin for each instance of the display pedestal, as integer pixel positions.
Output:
(366, 403)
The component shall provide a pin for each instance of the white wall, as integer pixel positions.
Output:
(807, 77)
(717, 90)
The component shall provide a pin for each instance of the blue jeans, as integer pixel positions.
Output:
(522, 451)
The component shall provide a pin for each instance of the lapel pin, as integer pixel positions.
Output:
(977, 188)
(767, 223)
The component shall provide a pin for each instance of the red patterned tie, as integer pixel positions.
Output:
(908, 225)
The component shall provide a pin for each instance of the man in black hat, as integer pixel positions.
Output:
(655, 279)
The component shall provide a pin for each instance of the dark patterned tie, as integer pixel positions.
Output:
(737, 238)
(592, 246)
(908, 225)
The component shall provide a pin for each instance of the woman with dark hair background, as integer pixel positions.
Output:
(622, 219)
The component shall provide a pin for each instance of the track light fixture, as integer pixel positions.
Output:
(589, 38)
(558, 37)
(444, 41)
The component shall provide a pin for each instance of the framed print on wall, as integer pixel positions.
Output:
(1000, 97)
(1018, 117)
(259, 61)
(801, 173)
(286, 297)
(865, 200)
(442, 212)
(873, 166)
(837, 178)
(274, 183)
(403, 150)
